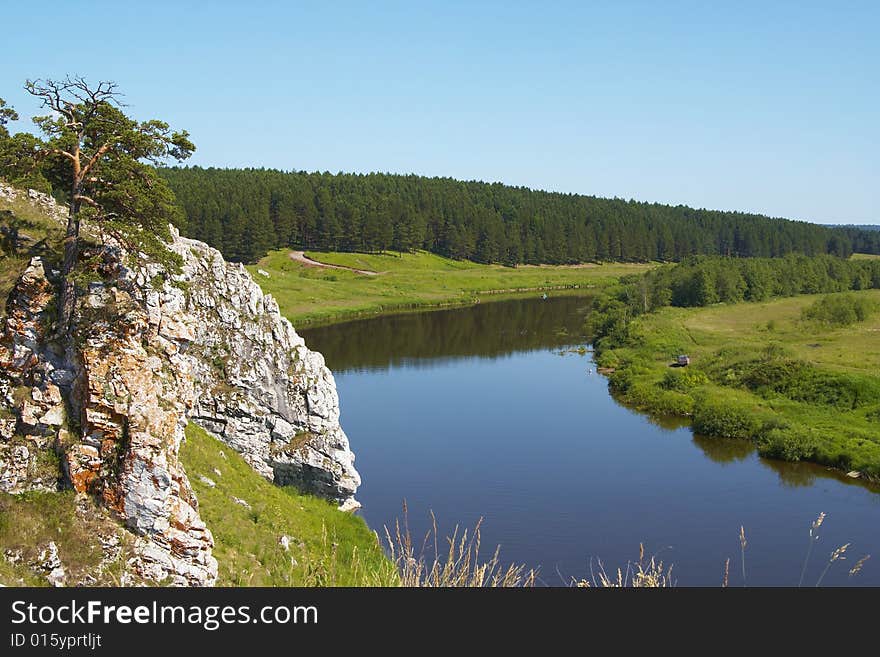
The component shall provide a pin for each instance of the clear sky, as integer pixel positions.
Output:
(767, 107)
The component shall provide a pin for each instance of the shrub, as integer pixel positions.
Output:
(725, 418)
(621, 380)
(645, 395)
(787, 443)
(801, 381)
(839, 310)
(683, 379)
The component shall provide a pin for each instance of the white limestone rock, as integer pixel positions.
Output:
(258, 387)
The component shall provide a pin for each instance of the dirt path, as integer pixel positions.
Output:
(301, 257)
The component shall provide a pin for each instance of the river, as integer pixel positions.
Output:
(487, 411)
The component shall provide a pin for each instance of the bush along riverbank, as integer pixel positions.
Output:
(790, 361)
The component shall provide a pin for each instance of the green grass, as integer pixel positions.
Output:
(311, 295)
(327, 547)
(800, 390)
(30, 520)
(865, 256)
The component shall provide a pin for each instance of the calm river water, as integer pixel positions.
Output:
(475, 412)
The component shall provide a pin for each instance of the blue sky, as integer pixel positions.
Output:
(767, 107)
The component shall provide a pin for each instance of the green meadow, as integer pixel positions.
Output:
(801, 389)
(408, 281)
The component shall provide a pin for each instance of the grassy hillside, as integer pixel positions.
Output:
(308, 294)
(760, 371)
(326, 547)
(28, 522)
(25, 231)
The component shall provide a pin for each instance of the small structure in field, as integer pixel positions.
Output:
(683, 360)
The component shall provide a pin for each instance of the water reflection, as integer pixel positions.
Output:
(724, 450)
(473, 413)
(801, 475)
(487, 330)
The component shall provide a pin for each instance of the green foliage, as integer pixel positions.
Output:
(773, 351)
(100, 160)
(811, 394)
(7, 114)
(702, 281)
(244, 212)
(839, 310)
(683, 379)
(725, 417)
(621, 380)
(18, 154)
(644, 394)
(801, 381)
(781, 441)
(609, 320)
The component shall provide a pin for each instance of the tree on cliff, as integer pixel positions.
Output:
(7, 114)
(18, 154)
(102, 158)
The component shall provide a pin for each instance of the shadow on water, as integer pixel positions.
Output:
(722, 450)
(731, 450)
(798, 475)
(487, 330)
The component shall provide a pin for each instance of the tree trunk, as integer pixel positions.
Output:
(71, 254)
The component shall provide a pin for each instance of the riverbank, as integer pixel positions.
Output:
(313, 296)
(797, 389)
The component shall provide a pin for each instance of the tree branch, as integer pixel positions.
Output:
(58, 151)
(87, 200)
(98, 154)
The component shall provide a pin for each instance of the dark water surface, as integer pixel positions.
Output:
(473, 412)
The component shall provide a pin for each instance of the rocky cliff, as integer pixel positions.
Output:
(148, 352)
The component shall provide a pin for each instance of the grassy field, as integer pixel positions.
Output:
(759, 371)
(326, 547)
(311, 295)
(751, 327)
(865, 256)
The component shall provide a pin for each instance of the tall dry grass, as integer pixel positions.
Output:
(458, 564)
(456, 561)
(647, 572)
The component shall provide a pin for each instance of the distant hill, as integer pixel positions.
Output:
(875, 227)
(246, 212)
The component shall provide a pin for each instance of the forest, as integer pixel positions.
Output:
(247, 212)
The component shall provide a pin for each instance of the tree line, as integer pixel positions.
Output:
(705, 280)
(246, 212)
